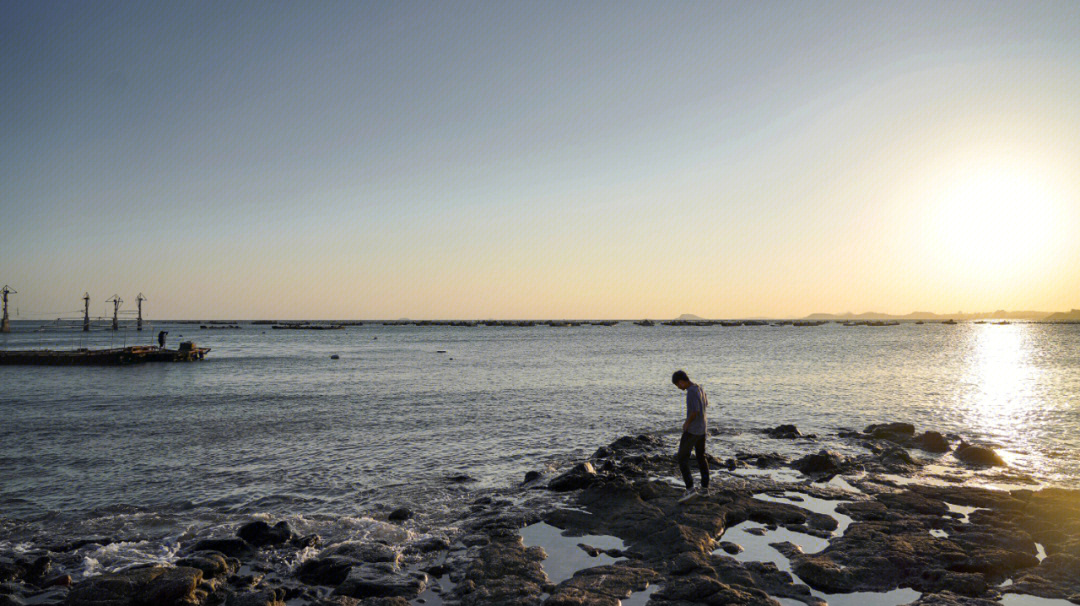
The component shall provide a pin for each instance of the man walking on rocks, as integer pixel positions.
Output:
(693, 434)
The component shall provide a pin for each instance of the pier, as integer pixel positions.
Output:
(136, 354)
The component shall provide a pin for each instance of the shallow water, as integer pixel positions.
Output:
(564, 556)
(1015, 599)
(270, 424)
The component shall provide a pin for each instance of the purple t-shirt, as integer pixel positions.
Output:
(696, 400)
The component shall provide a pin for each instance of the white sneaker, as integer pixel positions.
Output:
(689, 495)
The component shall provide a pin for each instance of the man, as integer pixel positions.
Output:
(693, 434)
(161, 339)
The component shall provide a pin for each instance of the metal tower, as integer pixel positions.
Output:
(5, 326)
(86, 312)
(138, 301)
(116, 301)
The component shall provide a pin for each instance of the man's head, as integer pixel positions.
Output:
(680, 379)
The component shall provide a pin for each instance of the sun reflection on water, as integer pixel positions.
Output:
(999, 391)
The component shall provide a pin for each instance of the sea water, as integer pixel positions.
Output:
(269, 424)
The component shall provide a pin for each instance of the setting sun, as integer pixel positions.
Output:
(998, 220)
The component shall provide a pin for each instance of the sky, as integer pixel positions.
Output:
(352, 160)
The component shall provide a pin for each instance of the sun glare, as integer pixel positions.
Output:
(997, 220)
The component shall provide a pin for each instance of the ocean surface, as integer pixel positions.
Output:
(270, 424)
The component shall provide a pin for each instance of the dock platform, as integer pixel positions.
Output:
(136, 354)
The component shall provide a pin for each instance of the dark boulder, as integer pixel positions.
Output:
(978, 455)
(381, 579)
(261, 534)
(212, 564)
(156, 585)
(330, 571)
(822, 462)
(531, 476)
(931, 441)
(364, 551)
(233, 548)
(174, 586)
(580, 476)
(785, 432)
(894, 432)
(400, 514)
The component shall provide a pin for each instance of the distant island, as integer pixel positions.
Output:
(1000, 314)
(1064, 316)
(689, 317)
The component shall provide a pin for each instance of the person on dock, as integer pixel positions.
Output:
(693, 434)
(161, 339)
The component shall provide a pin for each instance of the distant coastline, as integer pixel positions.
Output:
(1041, 316)
(1034, 316)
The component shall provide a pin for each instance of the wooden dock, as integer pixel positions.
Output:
(136, 354)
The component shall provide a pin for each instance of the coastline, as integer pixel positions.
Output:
(823, 527)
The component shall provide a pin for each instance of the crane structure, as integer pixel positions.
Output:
(5, 325)
(86, 312)
(116, 301)
(138, 301)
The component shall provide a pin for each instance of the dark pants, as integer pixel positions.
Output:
(697, 443)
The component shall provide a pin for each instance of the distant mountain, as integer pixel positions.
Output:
(689, 317)
(926, 315)
(1065, 316)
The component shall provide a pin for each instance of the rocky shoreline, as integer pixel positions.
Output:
(775, 530)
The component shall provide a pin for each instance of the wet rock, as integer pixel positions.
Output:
(364, 551)
(234, 548)
(602, 585)
(266, 597)
(460, 478)
(704, 589)
(580, 476)
(174, 586)
(894, 457)
(504, 572)
(894, 432)
(9, 570)
(820, 463)
(931, 441)
(532, 476)
(978, 455)
(156, 585)
(784, 432)
(60, 580)
(261, 534)
(731, 548)
(688, 561)
(428, 545)
(36, 571)
(212, 564)
(335, 357)
(589, 549)
(400, 514)
(1056, 577)
(382, 579)
(329, 571)
(474, 540)
(960, 583)
(11, 600)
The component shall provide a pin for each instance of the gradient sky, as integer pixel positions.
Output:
(539, 160)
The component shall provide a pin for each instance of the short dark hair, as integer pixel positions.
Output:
(680, 375)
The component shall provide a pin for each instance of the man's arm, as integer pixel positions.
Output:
(689, 419)
(693, 407)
